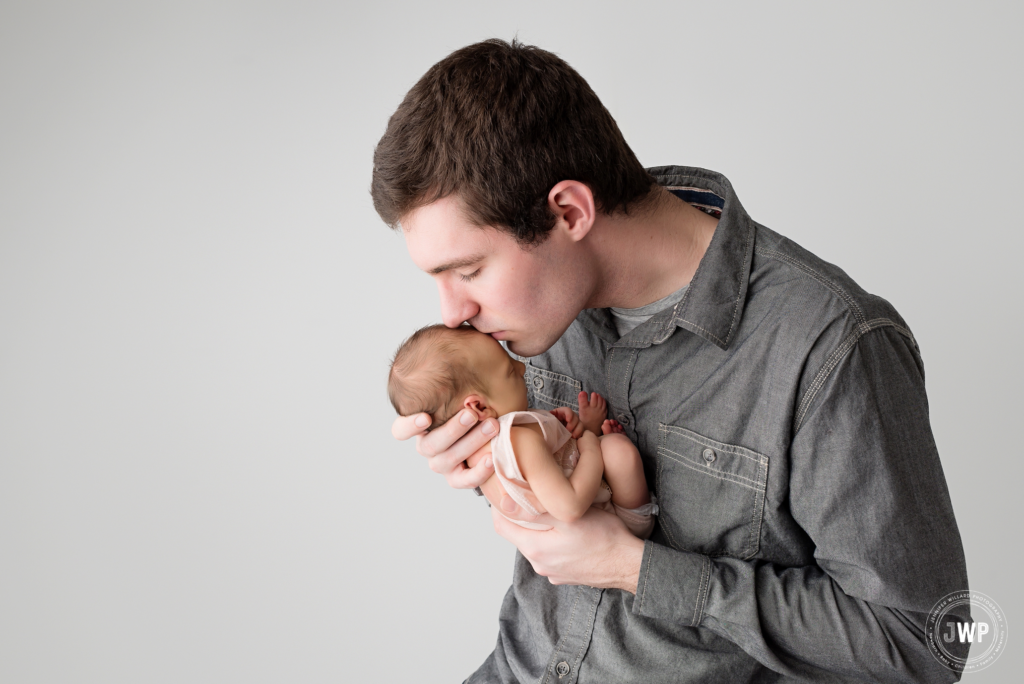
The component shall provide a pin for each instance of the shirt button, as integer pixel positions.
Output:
(538, 381)
(709, 455)
(624, 419)
(562, 669)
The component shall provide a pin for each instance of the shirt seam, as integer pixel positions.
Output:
(821, 278)
(836, 356)
(702, 591)
(585, 641)
(647, 574)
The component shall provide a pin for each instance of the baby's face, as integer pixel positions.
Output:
(504, 384)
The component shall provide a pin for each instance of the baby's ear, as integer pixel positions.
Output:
(478, 405)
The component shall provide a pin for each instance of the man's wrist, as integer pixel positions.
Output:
(631, 560)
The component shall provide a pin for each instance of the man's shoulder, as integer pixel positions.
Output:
(815, 292)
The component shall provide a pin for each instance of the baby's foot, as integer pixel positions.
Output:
(593, 411)
(612, 427)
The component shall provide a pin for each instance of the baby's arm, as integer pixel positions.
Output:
(566, 499)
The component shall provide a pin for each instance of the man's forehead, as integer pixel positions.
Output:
(440, 238)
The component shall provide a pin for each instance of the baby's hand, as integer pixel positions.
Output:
(570, 420)
(588, 440)
(593, 411)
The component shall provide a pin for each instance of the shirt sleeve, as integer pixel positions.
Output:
(867, 486)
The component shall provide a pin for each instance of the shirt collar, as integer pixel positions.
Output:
(713, 303)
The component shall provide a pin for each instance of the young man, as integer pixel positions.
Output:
(805, 528)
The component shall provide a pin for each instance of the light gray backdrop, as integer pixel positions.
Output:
(198, 303)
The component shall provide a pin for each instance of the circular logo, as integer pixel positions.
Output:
(966, 631)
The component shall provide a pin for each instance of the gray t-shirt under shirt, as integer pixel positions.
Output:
(627, 319)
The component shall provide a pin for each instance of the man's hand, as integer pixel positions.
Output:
(597, 550)
(448, 447)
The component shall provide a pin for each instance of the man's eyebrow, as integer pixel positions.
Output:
(457, 263)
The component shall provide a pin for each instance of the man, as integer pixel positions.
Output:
(805, 528)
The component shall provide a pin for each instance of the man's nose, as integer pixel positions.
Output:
(455, 306)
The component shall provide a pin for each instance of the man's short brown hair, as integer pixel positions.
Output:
(498, 125)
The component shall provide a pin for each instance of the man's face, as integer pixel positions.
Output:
(528, 297)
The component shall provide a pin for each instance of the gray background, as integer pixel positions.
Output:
(198, 303)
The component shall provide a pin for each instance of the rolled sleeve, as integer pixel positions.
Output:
(673, 585)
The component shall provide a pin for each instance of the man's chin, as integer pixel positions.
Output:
(527, 348)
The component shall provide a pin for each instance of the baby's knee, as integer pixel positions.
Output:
(619, 449)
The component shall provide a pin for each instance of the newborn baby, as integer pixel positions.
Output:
(546, 461)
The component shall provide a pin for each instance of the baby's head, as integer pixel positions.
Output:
(442, 370)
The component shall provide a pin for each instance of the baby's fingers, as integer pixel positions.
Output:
(583, 400)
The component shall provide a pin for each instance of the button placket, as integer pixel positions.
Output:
(574, 643)
(618, 371)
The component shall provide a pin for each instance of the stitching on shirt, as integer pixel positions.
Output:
(720, 446)
(843, 294)
(757, 517)
(608, 365)
(551, 375)
(625, 380)
(710, 334)
(700, 591)
(833, 360)
(658, 481)
(705, 585)
(585, 642)
(554, 401)
(727, 477)
(647, 573)
(561, 642)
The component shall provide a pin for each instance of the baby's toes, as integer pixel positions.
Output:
(610, 427)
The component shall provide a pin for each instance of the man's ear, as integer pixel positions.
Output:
(478, 405)
(573, 205)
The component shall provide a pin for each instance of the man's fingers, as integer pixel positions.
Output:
(449, 460)
(462, 477)
(526, 540)
(443, 437)
(405, 427)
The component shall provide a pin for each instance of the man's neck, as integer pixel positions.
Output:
(650, 254)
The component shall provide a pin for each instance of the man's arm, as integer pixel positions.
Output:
(866, 484)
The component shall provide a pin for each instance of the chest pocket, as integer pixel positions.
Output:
(711, 494)
(548, 390)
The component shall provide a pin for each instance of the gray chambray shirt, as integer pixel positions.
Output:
(805, 529)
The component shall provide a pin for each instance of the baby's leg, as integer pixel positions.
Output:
(624, 471)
